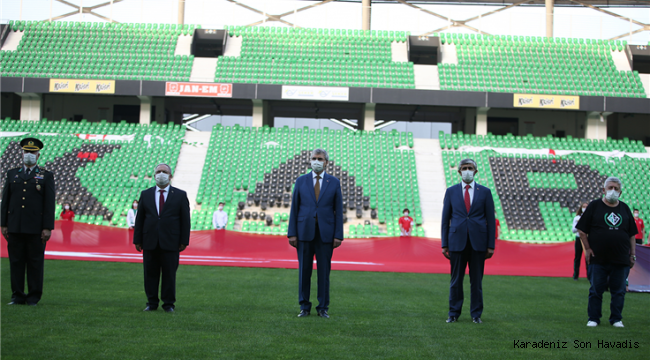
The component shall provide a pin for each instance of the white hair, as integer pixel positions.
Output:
(614, 180)
(321, 151)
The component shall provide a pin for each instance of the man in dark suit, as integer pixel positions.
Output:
(27, 222)
(316, 228)
(468, 232)
(162, 230)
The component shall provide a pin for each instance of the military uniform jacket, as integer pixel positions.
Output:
(28, 201)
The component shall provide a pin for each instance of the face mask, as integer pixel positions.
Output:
(66, 207)
(29, 159)
(467, 175)
(162, 179)
(406, 214)
(317, 165)
(636, 215)
(612, 196)
(135, 206)
(583, 209)
(220, 207)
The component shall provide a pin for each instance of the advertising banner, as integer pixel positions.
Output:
(82, 86)
(568, 102)
(198, 89)
(315, 93)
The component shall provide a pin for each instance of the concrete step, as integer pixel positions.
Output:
(426, 77)
(233, 46)
(203, 69)
(431, 183)
(12, 41)
(184, 45)
(190, 164)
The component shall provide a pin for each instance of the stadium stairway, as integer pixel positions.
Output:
(12, 41)
(203, 69)
(190, 164)
(184, 45)
(431, 180)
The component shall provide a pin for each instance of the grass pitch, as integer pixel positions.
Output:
(93, 310)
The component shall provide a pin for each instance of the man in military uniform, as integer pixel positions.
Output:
(27, 221)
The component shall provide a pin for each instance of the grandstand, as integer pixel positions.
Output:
(538, 178)
(96, 174)
(323, 57)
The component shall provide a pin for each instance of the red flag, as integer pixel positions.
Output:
(552, 152)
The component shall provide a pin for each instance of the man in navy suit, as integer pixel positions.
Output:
(468, 231)
(162, 230)
(316, 228)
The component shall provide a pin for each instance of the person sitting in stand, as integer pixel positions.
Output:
(67, 214)
(220, 218)
(406, 224)
(130, 215)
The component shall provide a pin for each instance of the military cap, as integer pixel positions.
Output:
(31, 144)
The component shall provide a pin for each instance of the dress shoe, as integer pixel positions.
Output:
(149, 308)
(303, 313)
(477, 320)
(13, 302)
(452, 319)
(323, 314)
(31, 304)
(169, 310)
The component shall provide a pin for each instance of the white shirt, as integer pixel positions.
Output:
(320, 181)
(130, 218)
(157, 196)
(219, 219)
(575, 222)
(471, 191)
(31, 169)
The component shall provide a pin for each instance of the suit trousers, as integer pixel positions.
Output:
(459, 262)
(26, 252)
(155, 262)
(306, 252)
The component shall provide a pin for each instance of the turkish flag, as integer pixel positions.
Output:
(552, 152)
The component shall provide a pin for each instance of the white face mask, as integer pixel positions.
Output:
(406, 214)
(162, 179)
(467, 175)
(612, 196)
(66, 207)
(29, 159)
(317, 165)
(220, 208)
(636, 215)
(135, 206)
(583, 210)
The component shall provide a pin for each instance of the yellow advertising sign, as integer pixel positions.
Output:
(82, 86)
(536, 101)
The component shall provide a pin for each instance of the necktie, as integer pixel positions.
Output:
(467, 203)
(28, 171)
(161, 202)
(317, 187)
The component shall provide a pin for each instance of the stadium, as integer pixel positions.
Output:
(549, 97)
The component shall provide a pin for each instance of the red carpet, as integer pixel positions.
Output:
(224, 248)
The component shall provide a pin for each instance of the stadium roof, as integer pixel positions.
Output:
(578, 3)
